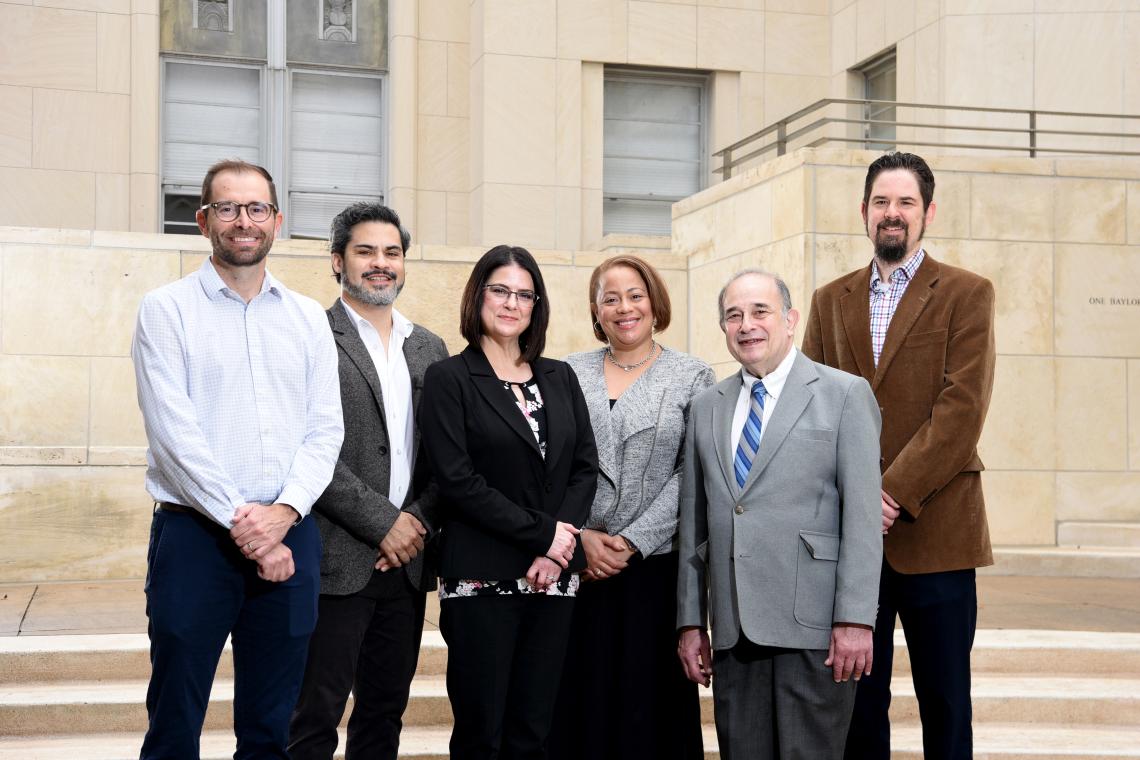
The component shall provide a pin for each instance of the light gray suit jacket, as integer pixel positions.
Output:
(800, 546)
(639, 445)
(354, 513)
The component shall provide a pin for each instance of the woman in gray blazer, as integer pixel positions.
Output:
(622, 677)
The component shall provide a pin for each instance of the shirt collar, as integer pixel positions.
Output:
(401, 325)
(905, 272)
(215, 287)
(774, 382)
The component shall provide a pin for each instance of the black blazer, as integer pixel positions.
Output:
(499, 499)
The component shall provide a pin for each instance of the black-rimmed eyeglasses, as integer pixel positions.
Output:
(227, 211)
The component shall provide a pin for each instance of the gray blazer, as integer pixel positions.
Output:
(639, 445)
(354, 513)
(800, 546)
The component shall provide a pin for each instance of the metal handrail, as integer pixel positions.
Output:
(730, 159)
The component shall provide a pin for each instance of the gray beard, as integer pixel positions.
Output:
(385, 297)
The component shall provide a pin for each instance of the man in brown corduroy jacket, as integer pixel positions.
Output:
(922, 333)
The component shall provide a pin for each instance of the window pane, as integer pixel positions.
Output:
(336, 139)
(178, 214)
(638, 217)
(653, 150)
(210, 113)
(644, 176)
(310, 214)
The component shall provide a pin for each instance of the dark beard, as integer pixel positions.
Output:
(889, 251)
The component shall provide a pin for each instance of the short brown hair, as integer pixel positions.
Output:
(533, 338)
(237, 166)
(654, 285)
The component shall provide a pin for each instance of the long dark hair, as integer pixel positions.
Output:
(533, 339)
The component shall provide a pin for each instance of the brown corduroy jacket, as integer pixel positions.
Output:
(933, 383)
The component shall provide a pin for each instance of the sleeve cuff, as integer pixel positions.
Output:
(297, 498)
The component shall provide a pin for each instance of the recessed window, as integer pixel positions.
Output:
(654, 142)
(879, 82)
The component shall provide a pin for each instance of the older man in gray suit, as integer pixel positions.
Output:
(780, 535)
(380, 508)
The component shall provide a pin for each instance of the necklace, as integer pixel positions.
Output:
(631, 367)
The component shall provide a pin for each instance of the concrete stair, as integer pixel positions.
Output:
(1099, 534)
(1082, 561)
(1037, 695)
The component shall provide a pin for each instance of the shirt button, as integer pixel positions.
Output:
(739, 509)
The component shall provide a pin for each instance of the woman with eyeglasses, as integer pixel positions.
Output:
(622, 672)
(508, 437)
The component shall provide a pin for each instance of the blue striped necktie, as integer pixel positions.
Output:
(750, 436)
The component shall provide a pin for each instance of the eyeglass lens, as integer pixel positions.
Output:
(525, 297)
(257, 211)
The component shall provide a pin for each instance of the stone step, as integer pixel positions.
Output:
(33, 709)
(1088, 534)
(1066, 561)
(991, 742)
(123, 657)
(126, 656)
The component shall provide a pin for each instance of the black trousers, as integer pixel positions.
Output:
(504, 662)
(623, 681)
(367, 643)
(939, 613)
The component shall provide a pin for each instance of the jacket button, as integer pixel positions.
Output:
(739, 509)
(383, 450)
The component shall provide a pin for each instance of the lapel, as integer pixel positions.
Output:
(593, 382)
(913, 302)
(491, 389)
(793, 400)
(418, 359)
(723, 410)
(348, 338)
(855, 306)
(557, 427)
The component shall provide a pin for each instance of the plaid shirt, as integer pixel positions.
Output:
(885, 298)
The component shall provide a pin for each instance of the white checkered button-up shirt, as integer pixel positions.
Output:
(241, 401)
(885, 298)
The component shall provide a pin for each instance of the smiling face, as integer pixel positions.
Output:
(372, 265)
(242, 242)
(893, 215)
(623, 309)
(506, 318)
(757, 333)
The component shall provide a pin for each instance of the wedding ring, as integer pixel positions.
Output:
(249, 546)
(550, 578)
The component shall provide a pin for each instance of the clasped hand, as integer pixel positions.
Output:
(258, 530)
(404, 542)
(606, 555)
(562, 547)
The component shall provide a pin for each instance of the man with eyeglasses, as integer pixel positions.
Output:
(380, 509)
(237, 382)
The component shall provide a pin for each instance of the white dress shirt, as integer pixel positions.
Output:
(773, 387)
(396, 389)
(241, 402)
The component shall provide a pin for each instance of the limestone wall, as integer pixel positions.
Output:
(72, 446)
(495, 112)
(1060, 239)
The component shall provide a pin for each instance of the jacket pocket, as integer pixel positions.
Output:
(816, 564)
(925, 338)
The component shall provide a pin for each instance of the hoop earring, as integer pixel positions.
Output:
(598, 326)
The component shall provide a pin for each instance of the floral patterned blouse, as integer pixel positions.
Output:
(533, 410)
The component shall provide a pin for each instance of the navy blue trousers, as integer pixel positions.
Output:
(199, 590)
(939, 613)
